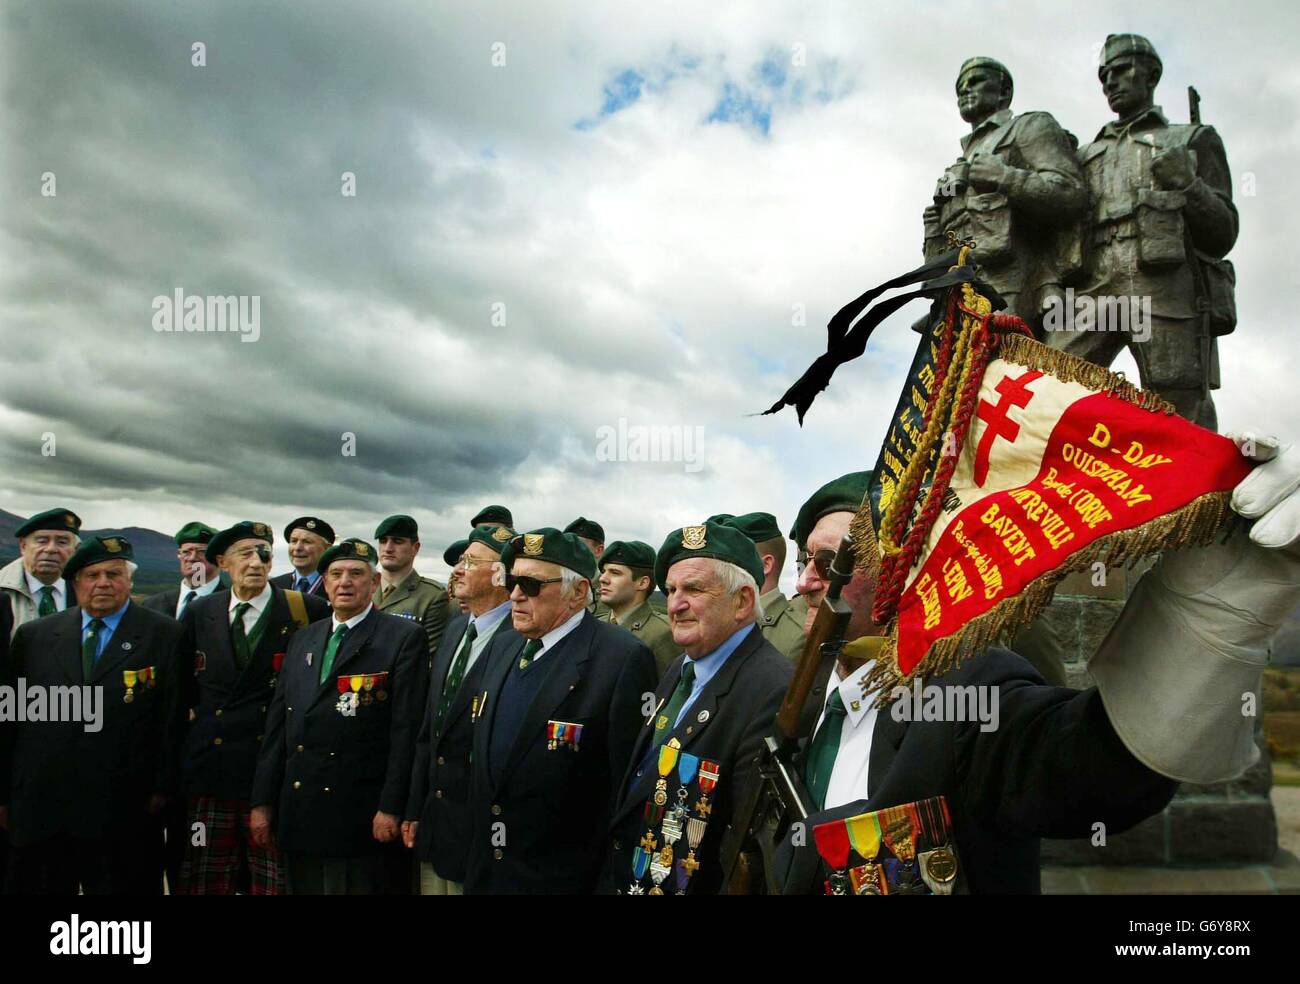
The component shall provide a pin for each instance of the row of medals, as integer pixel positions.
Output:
(648, 855)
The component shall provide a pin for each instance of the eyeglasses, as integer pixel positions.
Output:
(531, 586)
(822, 560)
(466, 561)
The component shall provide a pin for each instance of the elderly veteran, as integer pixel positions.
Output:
(401, 590)
(308, 538)
(81, 791)
(199, 576)
(493, 516)
(451, 557)
(437, 824)
(695, 759)
(556, 717)
(335, 768)
(33, 584)
(626, 580)
(235, 641)
(1170, 678)
(781, 626)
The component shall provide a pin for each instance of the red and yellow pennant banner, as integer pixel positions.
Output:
(1010, 465)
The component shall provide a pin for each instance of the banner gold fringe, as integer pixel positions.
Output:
(1068, 368)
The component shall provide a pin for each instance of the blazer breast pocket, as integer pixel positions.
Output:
(564, 736)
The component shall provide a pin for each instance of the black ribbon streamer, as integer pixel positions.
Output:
(845, 343)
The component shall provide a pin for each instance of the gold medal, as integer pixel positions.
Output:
(941, 865)
(128, 697)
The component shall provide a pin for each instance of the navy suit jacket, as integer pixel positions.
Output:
(539, 825)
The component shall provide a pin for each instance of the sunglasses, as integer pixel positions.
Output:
(822, 560)
(531, 586)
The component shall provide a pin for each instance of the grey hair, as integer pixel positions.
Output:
(734, 578)
(568, 578)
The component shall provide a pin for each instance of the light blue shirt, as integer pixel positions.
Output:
(312, 578)
(490, 619)
(706, 667)
(106, 633)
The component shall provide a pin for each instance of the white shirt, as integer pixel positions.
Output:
(486, 626)
(353, 621)
(852, 763)
(254, 612)
(203, 592)
(34, 585)
(552, 638)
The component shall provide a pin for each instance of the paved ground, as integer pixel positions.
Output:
(1280, 877)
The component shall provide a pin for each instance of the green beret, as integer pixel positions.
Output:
(494, 538)
(844, 494)
(398, 526)
(62, 520)
(588, 528)
(758, 526)
(312, 525)
(95, 549)
(493, 514)
(551, 545)
(194, 532)
(720, 518)
(451, 556)
(1121, 45)
(716, 540)
(982, 61)
(247, 530)
(349, 549)
(630, 553)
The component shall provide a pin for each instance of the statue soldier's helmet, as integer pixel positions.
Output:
(983, 61)
(1122, 45)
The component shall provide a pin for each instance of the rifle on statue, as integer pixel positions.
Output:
(778, 798)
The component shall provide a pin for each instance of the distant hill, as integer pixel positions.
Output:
(155, 552)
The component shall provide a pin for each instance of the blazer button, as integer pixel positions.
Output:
(327, 789)
(618, 846)
(496, 809)
(218, 712)
(297, 785)
(260, 737)
(437, 794)
(263, 708)
(497, 853)
(441, 760)
(300, 748)
(216, 741)
(331, 754)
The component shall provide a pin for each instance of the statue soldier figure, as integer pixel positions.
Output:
(1016, 190)
(1163, 219)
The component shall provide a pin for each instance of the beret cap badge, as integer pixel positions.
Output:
(501, 534)
(112, 544)
(532, 544)
(71, 520)
(693, 537)
(260, 529)
(362, 549)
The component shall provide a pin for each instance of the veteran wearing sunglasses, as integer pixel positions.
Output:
(554, 722)
(335, 768)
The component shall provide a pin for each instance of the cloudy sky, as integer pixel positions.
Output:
(566, 214)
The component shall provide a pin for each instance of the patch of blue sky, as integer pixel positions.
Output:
(742, 108)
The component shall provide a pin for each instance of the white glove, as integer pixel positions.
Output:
(1180, 671)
